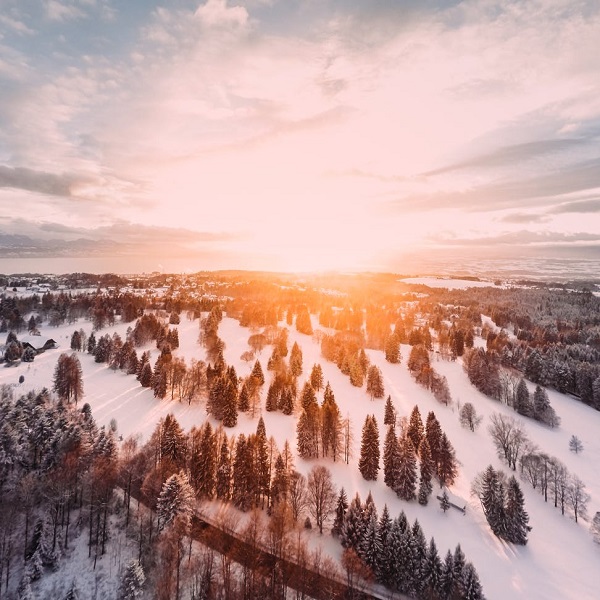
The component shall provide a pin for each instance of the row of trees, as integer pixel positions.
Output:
(420, 368)
(398, 556)
(432, 448)
(503, 505)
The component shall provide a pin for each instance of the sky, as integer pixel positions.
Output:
(299, 134)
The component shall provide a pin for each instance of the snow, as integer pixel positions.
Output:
(449, 283)
(560, 559)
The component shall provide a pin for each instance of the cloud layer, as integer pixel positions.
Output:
(337, 131)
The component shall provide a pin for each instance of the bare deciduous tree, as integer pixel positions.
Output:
(509, 437)
(321, 495)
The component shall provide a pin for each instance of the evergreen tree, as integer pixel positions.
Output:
(432, 572)
(370, 545)
(160, 378)
(272, 397)
(471, 585)
(458, 567)
(447, 469)
(243, 474)
(357, 375)
(316, 377)
(244, 398)
(223, 488)
(446, 584)
(389, 417)
(175, 500)
(340, 513)
(286, 402)
(415, 429)
(391, 458)
(262, 466)
(368, 465)
(146, 375)
(257, 373)
(203, 461)
(375, 382)
(132, 582)
(279, 486)
(523, 403)
(419, 556)
(331, 425)
(353, 528)
(308, 397)
(392, 349)
(296, 360)
(406, 477)
(492, 500)
(433, 433)
(384, 528)
(230, 401)
(517, 519)
(427, 468)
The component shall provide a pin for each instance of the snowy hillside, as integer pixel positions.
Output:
(560, 559)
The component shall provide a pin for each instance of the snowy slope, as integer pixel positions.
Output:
(560, 560)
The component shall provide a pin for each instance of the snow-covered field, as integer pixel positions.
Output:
(449, 283)
(560, 560)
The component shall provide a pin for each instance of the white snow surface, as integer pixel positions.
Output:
(560, 559)
(449, 283)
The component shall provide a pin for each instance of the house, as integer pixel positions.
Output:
(38, 342)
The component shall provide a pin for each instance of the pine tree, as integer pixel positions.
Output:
(357, 375)
(230, 400)
(279, 486)
(203, 461)
(458, 567)
(223, 487)
(433, 432)
(375, 382)
(353, 528)
(243, 474)
(523, 403)
(427, 468)
(368, 465)
(132, 582)
(262, 467)
(272, 397)
(384, 527)
(286, 402)
(471, 585)
(432, 572)
(517, 519)
(340, 513)
(415, 429)
(175, 500)
(446, 584)
(492, 500)
(257, 373)
(447, 469)
(308, 397)
(406, 478)
(370, 548)
(316, 377)
(392, 349)
(389, 417)
(244, 398)
(391, 458)
(331, 425)
(296, 360)
(419, 556)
